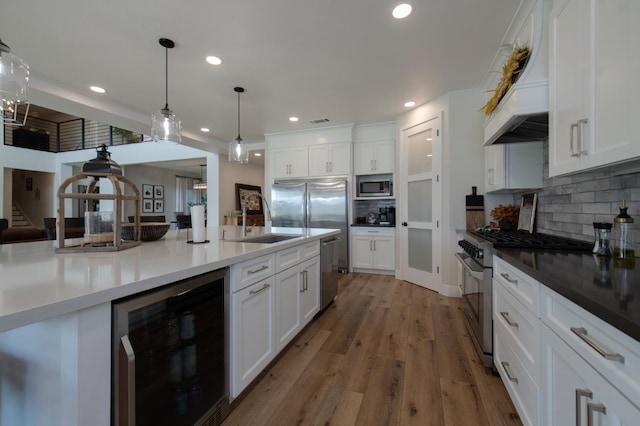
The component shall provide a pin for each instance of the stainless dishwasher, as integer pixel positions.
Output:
(329, 270)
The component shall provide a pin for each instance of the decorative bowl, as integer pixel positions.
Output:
(149, 231)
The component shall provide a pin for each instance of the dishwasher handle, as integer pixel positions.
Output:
(331, 241)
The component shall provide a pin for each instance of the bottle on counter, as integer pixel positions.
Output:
(622, 234)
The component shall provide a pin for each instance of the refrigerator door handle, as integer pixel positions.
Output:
(127, 379)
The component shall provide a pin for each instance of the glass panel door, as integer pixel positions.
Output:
(420, 183)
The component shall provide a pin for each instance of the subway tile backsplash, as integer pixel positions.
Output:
(568, 205)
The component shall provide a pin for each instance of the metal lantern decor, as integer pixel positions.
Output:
(103, 229)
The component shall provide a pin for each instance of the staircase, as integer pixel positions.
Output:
(18, 219)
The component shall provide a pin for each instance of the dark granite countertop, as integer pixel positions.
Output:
(608, 288)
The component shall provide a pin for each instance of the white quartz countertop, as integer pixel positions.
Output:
(36, 283)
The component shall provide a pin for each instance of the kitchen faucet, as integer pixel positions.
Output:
(244, 211)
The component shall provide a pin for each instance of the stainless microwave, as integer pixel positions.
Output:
(374, 188)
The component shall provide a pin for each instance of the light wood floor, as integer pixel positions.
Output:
(385, 352)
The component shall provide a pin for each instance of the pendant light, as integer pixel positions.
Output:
(165, 126)
(202, 183)
(238, 151)
(14, 76)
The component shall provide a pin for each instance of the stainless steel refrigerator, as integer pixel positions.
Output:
(313, 204)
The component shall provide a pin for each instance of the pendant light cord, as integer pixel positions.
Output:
(166, 78)
(239, 138)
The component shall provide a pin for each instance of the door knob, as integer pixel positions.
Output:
(405, 224)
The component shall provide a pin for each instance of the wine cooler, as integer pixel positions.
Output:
(170, 354)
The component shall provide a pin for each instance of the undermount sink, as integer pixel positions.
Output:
(265, 238)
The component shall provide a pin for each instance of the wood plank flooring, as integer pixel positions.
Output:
(385, 352)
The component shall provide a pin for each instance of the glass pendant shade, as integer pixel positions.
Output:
(238, 151)
(166, 127)
(14, 78)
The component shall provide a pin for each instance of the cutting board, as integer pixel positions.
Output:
(475, 209)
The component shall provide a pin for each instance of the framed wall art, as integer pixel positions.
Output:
(158, 191)
(527, 215)
(254, 205)
(147, 205)
(147, 191)
(158, 206)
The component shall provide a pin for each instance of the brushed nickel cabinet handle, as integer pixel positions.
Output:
(506, 317)
(261, 289)
(511, 377)
(260, 269)
(581, 151)
(572, 127)
(127, 385)
(579, 394)
(509, 279)
(594, 408)
(581, 332)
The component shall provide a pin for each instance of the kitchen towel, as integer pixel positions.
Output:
(197, 223)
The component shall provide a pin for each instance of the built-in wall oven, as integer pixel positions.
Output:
(477, 276)
(170, 354)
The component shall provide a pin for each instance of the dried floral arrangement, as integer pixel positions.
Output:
(511, 71)
(508, 213)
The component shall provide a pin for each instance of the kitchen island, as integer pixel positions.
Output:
(55, 315)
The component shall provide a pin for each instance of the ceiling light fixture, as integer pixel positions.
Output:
(409, 104)
(293, 119)
(205, 129)
(238, 151)
(165, 126)
(202, 183)
(14, 77)
(401, 11)
(213, 60)
(97, 89)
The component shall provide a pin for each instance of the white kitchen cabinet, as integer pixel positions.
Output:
(516, 337)
(593, 85)
(290, 162)
(330, 159)
(374, 157)
(574, 390)
(513, 166)
(253, 332)
(297, 299)
(373, 248)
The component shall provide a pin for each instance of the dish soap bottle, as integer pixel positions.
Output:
(622, 237)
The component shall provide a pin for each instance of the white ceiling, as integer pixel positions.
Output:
(345, 60)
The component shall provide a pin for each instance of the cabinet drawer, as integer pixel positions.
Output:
(373, 232)
(289, 257)
(522, 389)
(522, 327)
(251, 271)
(520, 285)
(592, 338)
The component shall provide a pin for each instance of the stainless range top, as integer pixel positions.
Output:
(501, 239)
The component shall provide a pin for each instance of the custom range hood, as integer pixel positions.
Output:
(523, 113)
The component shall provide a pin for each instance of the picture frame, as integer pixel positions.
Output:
(158, 191)
(527, 216)
(254, 205)
(147, 205)
(147, 191)
(158, 206)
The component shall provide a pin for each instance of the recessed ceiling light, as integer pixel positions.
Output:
(204, 129)
(97, 89)
(409, 104)
(258, 154)
(294, 119)
(429, 139)
(214, 60)
(402, 11)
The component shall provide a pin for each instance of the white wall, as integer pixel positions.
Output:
(462, 165)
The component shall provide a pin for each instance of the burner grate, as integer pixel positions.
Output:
(501, 239)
